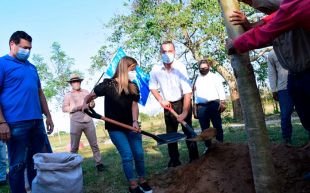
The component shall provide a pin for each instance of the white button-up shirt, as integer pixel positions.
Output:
(208, 88)
(173, 84)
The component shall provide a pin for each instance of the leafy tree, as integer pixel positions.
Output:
(195, 26)
(54, 76)
(45, 75)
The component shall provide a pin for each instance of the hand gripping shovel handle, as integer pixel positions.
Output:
(92, 113)
(187, 126)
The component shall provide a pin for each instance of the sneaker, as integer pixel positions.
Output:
(135, 190)
(145, 187)
(100, 167)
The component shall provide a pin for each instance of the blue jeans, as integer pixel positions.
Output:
(299, 89)
(27, 139)
(129, 146)
(210, 112)
(2, 161)
(287, 108)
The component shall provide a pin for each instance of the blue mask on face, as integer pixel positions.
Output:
(23, 54)
(167, 58)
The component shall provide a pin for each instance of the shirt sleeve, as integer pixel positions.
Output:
(185, 84)
(136, 97)
(101, 89)
(269, 17)
(220, 89)
(153, 84)
(272, 72)
(286, 18)
(2, 74)
(66, 108)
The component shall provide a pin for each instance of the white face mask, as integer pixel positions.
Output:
(76, 86)
(132, 75)
(167, 58)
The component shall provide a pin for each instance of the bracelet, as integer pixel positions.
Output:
(2, 122)
(135, 121)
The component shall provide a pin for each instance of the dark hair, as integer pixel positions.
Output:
(18, 35)
(205, 61)
(166, 42)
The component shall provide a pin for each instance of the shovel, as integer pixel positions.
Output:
(204, 135)
(161, 139)
(187, 126)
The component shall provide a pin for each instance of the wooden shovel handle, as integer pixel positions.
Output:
(92, 113)
(175, 114)
(119, 124)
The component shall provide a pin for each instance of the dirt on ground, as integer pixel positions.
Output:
(227, 169)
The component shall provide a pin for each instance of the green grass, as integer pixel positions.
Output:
(156, 158)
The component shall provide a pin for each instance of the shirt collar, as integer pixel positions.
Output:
(8, 57)
(172, 66)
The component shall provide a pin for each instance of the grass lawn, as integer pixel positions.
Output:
(113, 179)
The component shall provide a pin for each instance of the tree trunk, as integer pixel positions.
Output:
(233, 89)
(258, 140)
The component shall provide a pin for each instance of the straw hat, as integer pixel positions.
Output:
(75, 77)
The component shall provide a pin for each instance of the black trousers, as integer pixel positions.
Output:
(210, 112)
(172, 126)
(298, 86)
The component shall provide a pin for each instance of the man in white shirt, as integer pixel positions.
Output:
(210, 100)
(170, 85)
(278, 77)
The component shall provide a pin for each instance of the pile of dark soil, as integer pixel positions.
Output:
(227, 169)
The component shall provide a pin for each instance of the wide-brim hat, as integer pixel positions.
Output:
(75, 77)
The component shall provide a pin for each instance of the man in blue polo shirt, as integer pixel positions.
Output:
(22, 103)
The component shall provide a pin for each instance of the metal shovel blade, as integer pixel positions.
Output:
(166, 138)
(171, 138)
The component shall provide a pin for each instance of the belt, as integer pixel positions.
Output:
(173, 102)
(207, 103)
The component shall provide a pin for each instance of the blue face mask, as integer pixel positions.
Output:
(167, 58)
(23, 54)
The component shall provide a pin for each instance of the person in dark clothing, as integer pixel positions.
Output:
(121, 104)
(289, 31)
